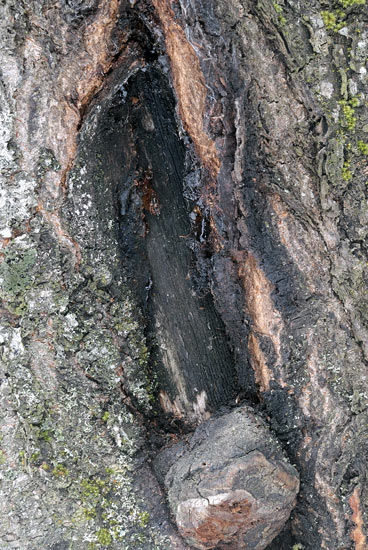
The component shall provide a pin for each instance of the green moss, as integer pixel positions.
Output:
(354, 102)
(350, 3)
(346, 172)
(349, 113)
(103, 536)
(278, 10)
(282, 20)
(106, 416)
(35, 456)
(89, 513)
(329, 19)
(277, 7)
(332, 20)
(363, 147)
(2, 458)
(143, 519)
(92, 489)
(60, 471)
(45, 435)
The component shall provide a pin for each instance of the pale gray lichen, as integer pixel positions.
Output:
(16, 273)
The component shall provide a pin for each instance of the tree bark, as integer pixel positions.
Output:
(183, 230)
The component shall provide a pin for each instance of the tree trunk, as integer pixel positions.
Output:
(183, 226)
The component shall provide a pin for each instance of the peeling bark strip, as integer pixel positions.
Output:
(357, 533)
(266, 320)
(189, 85)
(127, 281)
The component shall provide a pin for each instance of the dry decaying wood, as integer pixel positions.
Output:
(184, 243)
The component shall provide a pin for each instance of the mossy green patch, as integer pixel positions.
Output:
(60, 470)
(363, 147)
(46, 435)
(89, 513)
(143, 519)
(92, 489)
(350, 119)
(346, 172)
(35, 457)
(278, 9)
(103, 536)
(350, 3)
(282, 20)
(332, 20)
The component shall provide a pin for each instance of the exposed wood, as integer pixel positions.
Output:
(184, 228)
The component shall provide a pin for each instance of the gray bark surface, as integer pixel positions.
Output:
(183, 229)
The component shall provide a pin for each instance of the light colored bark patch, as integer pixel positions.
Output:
(265, 317)
(357, 534)
(189, 85)
(258, 362)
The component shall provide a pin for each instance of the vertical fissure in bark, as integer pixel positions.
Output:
(162, 231)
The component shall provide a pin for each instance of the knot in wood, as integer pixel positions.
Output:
(231, 487)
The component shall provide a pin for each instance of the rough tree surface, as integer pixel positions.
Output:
(183, 229)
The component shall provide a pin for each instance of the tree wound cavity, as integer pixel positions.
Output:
(149, 164)
(154, 181)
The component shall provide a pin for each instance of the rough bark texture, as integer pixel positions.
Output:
(183, 221)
